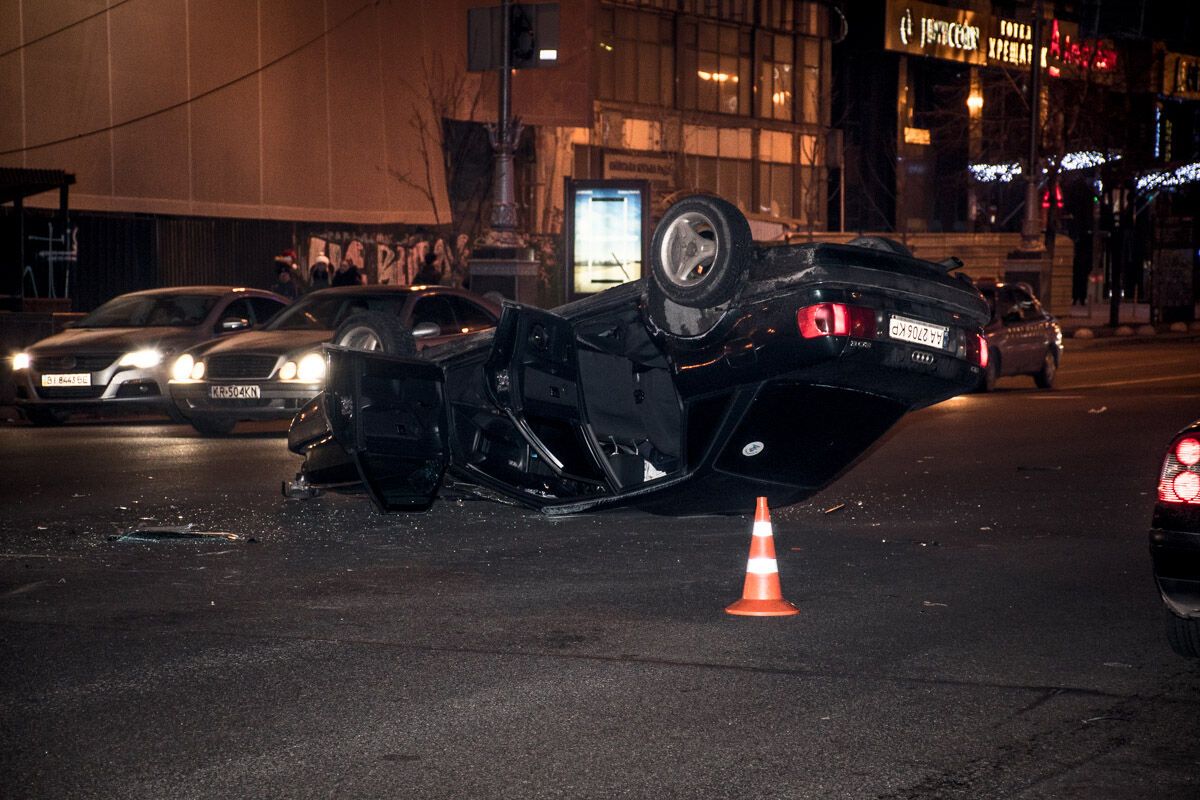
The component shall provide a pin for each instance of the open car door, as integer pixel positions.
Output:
(532, 375)
(389, 415)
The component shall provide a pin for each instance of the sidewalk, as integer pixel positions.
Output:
(1091, 321)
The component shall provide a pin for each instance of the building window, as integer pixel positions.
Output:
(801, 16)
(810, 81)
(636, 54)
(715, 73)
(641, 134)
(719, 160)
(776, 173)
(776, 77)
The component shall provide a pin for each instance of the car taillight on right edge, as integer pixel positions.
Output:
(1180, 479)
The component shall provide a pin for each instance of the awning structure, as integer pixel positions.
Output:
(16, 183)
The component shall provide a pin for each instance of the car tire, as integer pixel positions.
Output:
(176, 415)
(1044, 377)
(213, 426)
(987, 381)
(44, 417)
(1183, 635)
(881, 243)
(376, 331)
(700, 251)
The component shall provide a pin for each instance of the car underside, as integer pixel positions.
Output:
(631, 397)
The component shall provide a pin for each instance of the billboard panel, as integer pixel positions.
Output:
(606, 234)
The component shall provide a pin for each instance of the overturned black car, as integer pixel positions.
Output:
(734, 371)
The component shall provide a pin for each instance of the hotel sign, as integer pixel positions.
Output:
(1010, 43)
(923, 29)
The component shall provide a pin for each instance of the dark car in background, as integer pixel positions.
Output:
(271, 373)
(735, 371)
(1023, 338)
(118, 356)
(1175, 541)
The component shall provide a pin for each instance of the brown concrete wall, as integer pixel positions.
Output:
(332, 132)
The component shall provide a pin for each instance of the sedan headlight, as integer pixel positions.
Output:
(311, 368)
(20, 361)
(142, 359)
(181, 370)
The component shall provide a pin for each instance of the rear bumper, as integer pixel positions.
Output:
(276, 400)
(1176, 558)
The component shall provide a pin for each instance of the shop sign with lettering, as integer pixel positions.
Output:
(1181, 76)
(658, 168)
(924, 29)
(1010, 43)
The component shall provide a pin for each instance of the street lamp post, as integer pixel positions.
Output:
(1031, 236)
(504, 135)
(503, 261)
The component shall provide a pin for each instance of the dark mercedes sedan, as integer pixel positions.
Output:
(1175, 541)
(117, 357)
(271, 373)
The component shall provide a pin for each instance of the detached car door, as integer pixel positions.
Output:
(389, 415)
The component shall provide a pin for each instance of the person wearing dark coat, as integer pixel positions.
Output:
(318, 276)
(347, 275)
(284, 284)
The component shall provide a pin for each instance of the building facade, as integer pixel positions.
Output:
(205, 136)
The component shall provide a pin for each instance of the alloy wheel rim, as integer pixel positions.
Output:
(689, 248)
(360, 338)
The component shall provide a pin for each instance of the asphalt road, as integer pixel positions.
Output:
(977, 621)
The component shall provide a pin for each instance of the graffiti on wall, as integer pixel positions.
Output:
(51, 254)
(399, 259)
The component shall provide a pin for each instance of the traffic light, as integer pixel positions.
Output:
(532, 40)
(522, 42)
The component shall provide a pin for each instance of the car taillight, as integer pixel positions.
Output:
(977, 349)
(1188, 452)
(836, 319)
(1180, 479)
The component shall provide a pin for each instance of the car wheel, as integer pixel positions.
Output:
(1044, 377)
(45, 417)
(176, 415)
(987, 381)
(213, 426)
(1183, 635)
(700, 251)
(881, 243)
(373, 330)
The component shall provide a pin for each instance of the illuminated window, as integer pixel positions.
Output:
(810, 82)
(641, 134)
(776, 173)
(635, 51)
(718, 160)
(716, 73)
(776, 82)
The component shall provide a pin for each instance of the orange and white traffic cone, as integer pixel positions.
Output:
(762, 595)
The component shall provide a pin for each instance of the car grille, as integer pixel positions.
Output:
(88, 362)
(239, 366)
(70, 392)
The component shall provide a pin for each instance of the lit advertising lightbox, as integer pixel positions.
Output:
(606, 234)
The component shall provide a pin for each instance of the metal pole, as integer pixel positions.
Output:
(503, 139)
(1030, 235)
